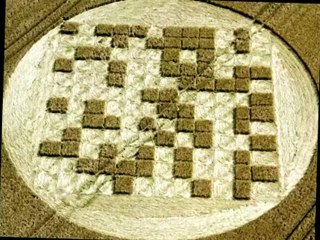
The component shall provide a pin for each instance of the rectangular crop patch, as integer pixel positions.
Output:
(265, 173)
(165, 138)
(117, 67)
(205, 84)
(70, 149)
(92, 52)
(204, 126)
(242, 157)
(261, 99)
(154, 43)
(150, 95)
(206, 43)
(116, 80)
(63, 65)
(241, 72)
(50, 148)
(262, 113)
(145, 168)
(185, 125)
(108, 151)
(104, 30)
(263, 143)
(147, 124)
(121, 29)
(207, 32)
(186, 111)
(242, 126)
(182, 170)
(126, 167)
(123, 184)
(107, 166)
(192, 32)
(190, 43)
(242, 46)
(57, 105)
(69, 28)
(170, 69)
(87, 165)
(201, 188)
(168, 110)
(172, 42)
(242, 33)
(168, 95)
(171, 54)
(188, 69)
(242, 112)
(184, 154)
(93, 121)
(205, 55)
(71, 134)
(203, 140)
(205, 70)
(172, 32)
(242, 189)
(112, 122)
(146, 152)
(242, 85)
(187, 83)
(94, 106)
(260, 72)
(242, 172)
(225, 85)
(120, 41)
(139, 31)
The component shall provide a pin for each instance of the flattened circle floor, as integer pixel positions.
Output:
(182, 125)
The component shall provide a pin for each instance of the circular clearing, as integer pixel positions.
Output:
(98, 91)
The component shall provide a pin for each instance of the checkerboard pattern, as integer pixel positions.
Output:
(197, 77)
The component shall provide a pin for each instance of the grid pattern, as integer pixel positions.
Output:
(173, 123)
